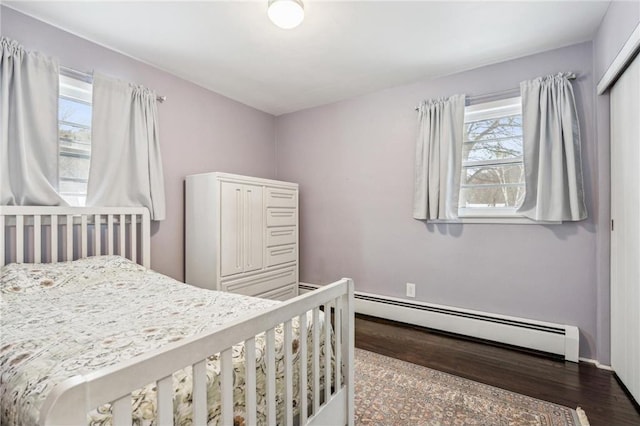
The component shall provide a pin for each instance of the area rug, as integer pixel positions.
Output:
(390, 392)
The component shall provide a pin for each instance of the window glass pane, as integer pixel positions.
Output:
(75, 88)
(497, 128)
(493, 175)
(492, 150)
(74, 112)
(74, 167)
(74, 136)
(493, 196)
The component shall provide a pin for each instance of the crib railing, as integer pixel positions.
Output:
(71, 400)
(38, 234)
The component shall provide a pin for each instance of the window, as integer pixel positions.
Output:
(492, 181)
(74, 139)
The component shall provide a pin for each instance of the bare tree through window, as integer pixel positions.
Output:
(492, 167)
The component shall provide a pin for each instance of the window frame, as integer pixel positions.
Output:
(486, 111)
(74, 87)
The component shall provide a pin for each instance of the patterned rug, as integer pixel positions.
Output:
(393, 392)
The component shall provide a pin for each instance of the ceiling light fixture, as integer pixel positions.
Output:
(286, 14)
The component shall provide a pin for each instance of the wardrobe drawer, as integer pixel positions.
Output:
(281, 254)
(283, 293)
(261, 283)
(281, 235)
(277, 197)
(282, 217)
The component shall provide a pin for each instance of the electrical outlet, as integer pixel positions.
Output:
(411, 290)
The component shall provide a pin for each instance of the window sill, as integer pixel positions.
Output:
(504, 220)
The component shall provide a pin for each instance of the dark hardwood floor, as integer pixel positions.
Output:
(566, 383)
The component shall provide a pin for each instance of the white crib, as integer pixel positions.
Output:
(53, 234)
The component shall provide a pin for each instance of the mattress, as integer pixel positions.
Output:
(61, 320)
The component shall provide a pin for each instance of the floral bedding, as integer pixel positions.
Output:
(60, 320)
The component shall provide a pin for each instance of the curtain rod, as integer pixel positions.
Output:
(514, 91)
(88, 77)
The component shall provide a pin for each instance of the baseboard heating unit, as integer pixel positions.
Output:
(537, 335)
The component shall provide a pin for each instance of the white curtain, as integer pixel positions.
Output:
(552, 158)
(126, 166)
(438, 158)
(29, 127)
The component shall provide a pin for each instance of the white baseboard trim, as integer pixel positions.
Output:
(596, 363)
(526, 333)
(307, 287)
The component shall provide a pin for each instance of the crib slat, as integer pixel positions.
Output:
(110, 234)
(37, 238)
(123, 230)
(121, 411)
(271, 377)
(165, 401)
(250, 381)
(200, 393)
(146, 238)
(303, 368)
(327, 352)
(69, 237)
(83, 235)
(316, 359)
(288, 374)
(97, 228)
(337, 330)
(134, 237)
(19, 238)
(226, 386)
(54, 238)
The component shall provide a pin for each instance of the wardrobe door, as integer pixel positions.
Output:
(253, 228)
(231, 229)
(625, 233)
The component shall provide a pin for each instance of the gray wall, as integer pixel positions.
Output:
(354, 163)
(199, 130)
(621, 19)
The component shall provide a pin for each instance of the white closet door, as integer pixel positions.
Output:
(253, 229)
(625, 236)
(231, 229)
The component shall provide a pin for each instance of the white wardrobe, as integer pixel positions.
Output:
(625, 232)
(241, 235)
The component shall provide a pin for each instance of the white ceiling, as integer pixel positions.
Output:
(341, 50)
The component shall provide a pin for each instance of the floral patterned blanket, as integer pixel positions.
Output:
(60, 320)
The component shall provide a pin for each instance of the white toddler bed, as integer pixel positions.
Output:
(192, 369)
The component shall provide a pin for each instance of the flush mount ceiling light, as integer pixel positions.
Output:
(286, 14)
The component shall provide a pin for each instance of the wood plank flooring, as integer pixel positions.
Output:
(566, 383)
